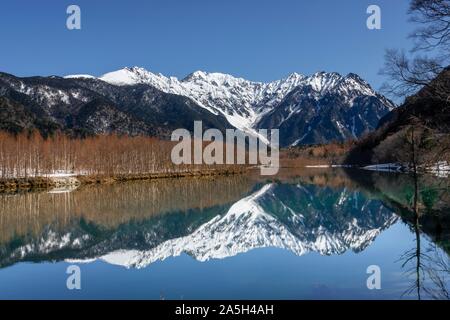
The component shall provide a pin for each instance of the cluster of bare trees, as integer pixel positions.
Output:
(27, 155)
(416, 145)
(409, 72)
(331, 153)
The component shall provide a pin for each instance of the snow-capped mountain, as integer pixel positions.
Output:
(242, 102)
(248, 105)
(307, 109)
(299, 218)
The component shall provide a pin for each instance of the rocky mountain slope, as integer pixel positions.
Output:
(90, 106)
(307, 110)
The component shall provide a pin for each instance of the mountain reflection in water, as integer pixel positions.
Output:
(328, 212)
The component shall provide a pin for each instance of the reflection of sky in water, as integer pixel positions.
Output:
(261, 273)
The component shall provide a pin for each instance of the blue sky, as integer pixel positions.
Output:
(259, 40)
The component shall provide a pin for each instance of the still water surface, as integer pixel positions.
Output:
(303, 235)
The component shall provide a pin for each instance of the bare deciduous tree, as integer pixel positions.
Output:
(406, 76)
(430, 54)
(434, 32)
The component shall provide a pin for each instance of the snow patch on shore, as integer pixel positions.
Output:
(386, 167)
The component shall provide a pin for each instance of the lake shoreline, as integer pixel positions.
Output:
(14, 185)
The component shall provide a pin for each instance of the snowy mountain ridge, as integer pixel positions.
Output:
(244, 103)
(239, 100)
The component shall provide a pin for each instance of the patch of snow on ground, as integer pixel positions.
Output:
(385, 167)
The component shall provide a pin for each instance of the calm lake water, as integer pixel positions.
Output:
(308, 234)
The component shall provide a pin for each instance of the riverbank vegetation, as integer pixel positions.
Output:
(28, 161)
(30, 155)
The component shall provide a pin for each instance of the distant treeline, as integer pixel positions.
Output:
(323, 154)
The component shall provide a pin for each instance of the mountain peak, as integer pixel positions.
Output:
(323, 81)
(128, 76)
(120, 77)
(216, 77)
(321, 74)
(136, 69)
(356, 77)
(294, 76)
(198, 74)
